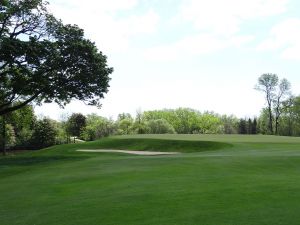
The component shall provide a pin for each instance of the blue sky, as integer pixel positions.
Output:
(201, 54)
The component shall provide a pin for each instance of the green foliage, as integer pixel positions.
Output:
(263, 121)
(18, 129)
(123, 116)
(267, 83)
(125, 125)
(23, 118)
(289, 120)
(10, 136)
(23, 121)
(248, 126)
(24, 138)
(43, 60)
(75, 124)
(44, 133)
(184, 120)
(276, 93)
(140, 127)
(254, 127)
(62, 137)
(187, 121)
(231, 124)
(242, 126)
(160, 126)
(209, 124)
(97, 127)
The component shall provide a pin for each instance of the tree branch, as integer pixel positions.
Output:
(8, 102)
(16, 107)
(4, 24)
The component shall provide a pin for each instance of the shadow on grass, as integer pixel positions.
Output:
(33, 160)
(145, 144)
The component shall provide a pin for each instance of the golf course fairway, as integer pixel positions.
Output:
(215, 180)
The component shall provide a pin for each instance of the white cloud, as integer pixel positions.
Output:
(292, 53)
(190, 46)
(193, 46)
(217, 23)
(98, 19)
(225, 17)
(99, 6)
(134, 25)
(284, 36)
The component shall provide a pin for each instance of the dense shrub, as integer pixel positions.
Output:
(97, 127)
(44, 133)
(75, 124)
(10, 136)
(160, 126)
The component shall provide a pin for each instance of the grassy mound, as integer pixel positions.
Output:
(140, 144)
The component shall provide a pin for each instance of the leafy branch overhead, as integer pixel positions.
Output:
(43, 60)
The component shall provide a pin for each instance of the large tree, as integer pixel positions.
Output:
(267, 83)
(283, 92)
(276, 92)
(44, 133)
(43, 60)
(75, 124)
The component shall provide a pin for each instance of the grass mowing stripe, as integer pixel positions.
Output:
(258, 184)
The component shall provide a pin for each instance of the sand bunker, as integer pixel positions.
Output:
(128, 152)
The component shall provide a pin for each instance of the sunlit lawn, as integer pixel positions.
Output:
(243, 180)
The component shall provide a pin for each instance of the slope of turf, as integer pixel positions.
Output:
(231, 138)
(147, 144)
(251, 183)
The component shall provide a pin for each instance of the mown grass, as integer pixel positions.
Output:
(147, 144)
(230, 138)
(246, 183)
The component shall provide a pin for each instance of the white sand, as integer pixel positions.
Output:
(128, 152)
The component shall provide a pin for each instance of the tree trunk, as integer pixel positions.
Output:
(276, 125)
(270, 121)
(3, 135)
(277, 116)
(290, 126)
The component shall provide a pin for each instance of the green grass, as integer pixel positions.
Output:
(218, 137)
(220, 180)
(148, 144)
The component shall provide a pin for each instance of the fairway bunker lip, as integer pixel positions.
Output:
(150, 153)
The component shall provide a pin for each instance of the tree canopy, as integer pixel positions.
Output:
(43, 60)
(75, 124)
(276, 92)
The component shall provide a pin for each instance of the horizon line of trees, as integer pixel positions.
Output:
(25, 131)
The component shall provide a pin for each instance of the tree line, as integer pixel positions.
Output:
(25, 131)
